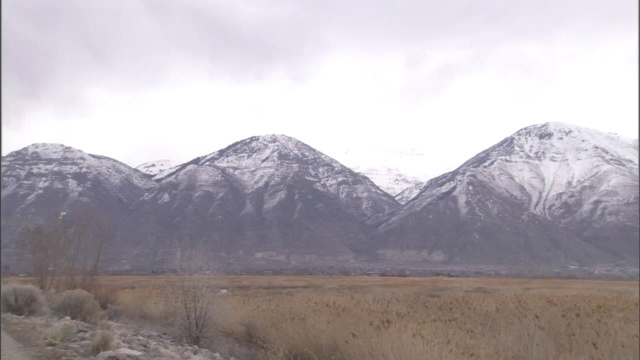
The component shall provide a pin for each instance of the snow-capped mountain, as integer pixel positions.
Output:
(547, 194)
(274, 161)
(550, 195)
(156, 167)
(393, 170)
(36, 171)
(41, 181)
(267, 197)
(391, 180)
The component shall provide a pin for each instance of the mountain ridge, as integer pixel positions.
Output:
(550, 195)
(544, 175)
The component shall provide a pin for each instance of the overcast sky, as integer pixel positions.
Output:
(177, 79)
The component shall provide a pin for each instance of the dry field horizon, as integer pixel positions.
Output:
(359, 317)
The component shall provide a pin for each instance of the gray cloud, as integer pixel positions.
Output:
(52, 50)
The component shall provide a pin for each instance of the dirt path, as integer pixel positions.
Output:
(11, 349)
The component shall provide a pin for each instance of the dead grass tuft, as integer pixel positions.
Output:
(102, 341)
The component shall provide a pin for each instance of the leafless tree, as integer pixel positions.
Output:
(195, 293)
(43, 247)
(72, 248)
(82, 236)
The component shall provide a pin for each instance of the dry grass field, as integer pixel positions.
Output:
(280, 317)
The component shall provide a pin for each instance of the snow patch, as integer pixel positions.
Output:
(156, 167)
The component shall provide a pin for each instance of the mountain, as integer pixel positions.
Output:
(42, 177)
(42, 180)
(391, 180)
(156, 167)
(391, 169)
(265, 198)
(549, 195)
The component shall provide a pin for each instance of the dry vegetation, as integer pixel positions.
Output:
(398, 318)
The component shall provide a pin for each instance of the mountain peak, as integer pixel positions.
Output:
(282, 141)
(280, 138)
(264, 150)
(49, 151)
(550, 131)
(557, 141)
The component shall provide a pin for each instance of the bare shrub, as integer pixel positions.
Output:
(21, 300)
(78, 304)
(195, 301)
(102, 341)
(194, 294)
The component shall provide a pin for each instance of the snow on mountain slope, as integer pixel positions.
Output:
(273, 161)
(393, 170)
(39, 166)
(409, 193)
(156, 167)
(528, 191)
(265, 194)
(42, 180)
(553, 164)
(547, 165)
(391, 180)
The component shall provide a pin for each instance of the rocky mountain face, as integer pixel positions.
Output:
(550, 195)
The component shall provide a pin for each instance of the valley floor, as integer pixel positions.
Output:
(333, 317)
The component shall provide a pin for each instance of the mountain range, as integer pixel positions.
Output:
(551, 196)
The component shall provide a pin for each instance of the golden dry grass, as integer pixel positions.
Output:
(280, 317)
(383, 318)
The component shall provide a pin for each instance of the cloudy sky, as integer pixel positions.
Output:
(176, 79)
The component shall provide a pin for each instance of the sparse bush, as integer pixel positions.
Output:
(22, 300)
(78, 305)
(194, 297)
(61, 332)
(101, 341)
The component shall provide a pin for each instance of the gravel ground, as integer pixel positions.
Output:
(11, 349)
(42, 338)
